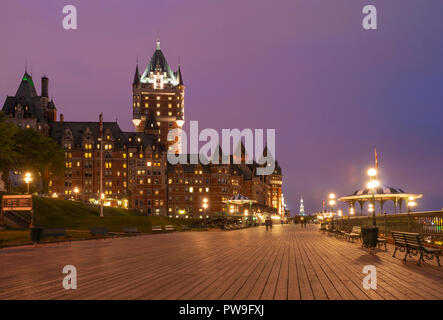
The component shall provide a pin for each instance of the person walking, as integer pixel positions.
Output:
(268, 223)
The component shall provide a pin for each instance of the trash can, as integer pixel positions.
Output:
(369, 236)
(36, 234)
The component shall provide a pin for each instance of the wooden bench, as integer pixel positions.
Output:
(354, 234)
(199, 227)
(131, 230)
(185, 227)
(412, 244)
(169, 227)
(54, 233)
(156, 229)
(344, 231)
(97, 232)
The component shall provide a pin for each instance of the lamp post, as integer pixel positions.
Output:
(351, 211)
(205, 204)
(372, 184)
(28, 179)
(76, 190)
(332, 203)
(411, 204)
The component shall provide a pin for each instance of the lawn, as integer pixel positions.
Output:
(76, 217)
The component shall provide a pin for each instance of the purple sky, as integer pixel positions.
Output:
(331, 90)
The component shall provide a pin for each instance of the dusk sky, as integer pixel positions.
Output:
(332, 90)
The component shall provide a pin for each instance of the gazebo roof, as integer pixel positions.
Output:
(239, 199)
(382, 189)
(383, 192)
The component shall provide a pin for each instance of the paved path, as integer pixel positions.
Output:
(285, 263)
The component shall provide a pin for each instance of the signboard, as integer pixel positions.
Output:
(17, 202)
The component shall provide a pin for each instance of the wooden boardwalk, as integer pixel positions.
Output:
(285, 263)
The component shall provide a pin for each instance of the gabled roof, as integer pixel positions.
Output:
(78, 130)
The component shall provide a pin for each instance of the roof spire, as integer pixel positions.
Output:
(136, 76)
(158, 44)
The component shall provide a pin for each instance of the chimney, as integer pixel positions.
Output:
(45, 82)
(62, 118)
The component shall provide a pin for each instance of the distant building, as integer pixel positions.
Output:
(136, 173)
(302, 208)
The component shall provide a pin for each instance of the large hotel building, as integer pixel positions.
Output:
(136, 173)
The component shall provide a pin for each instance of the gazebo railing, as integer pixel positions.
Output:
(429, 224)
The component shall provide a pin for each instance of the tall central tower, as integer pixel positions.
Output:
(158, 93)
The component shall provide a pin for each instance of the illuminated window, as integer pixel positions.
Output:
(158, 113)
(124, 165)
(191, 189)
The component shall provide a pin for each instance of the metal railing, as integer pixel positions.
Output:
(429, 224)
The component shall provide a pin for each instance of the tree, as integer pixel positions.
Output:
(39, 154)
(8, 156)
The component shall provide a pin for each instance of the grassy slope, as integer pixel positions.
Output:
(56, 213)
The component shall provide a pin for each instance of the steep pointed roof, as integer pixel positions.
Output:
(26, 88)
(158, 60)
(136, 77)
(179, 76)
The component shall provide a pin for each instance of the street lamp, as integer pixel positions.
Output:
(351, 211)
(332, 203)
(205, 204)
(28, 179)
(411, 203)
(76, 190)
(373, 184)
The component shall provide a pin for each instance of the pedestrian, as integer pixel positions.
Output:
(268, 223)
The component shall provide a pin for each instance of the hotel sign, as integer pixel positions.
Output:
(17, 202)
